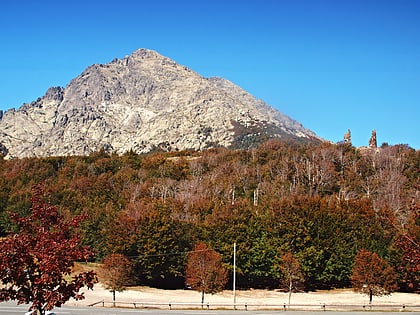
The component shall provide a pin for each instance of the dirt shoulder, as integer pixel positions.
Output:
(251, 297)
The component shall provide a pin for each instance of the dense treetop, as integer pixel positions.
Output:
(323, 203)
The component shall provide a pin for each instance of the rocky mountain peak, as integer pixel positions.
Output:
(142, 102)
(144, 53)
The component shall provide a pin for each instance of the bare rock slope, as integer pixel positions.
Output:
(142, 102)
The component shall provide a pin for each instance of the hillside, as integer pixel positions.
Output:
(322, 202)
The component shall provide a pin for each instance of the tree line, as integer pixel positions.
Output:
(322, 203)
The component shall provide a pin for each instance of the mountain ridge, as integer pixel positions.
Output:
(142, 102)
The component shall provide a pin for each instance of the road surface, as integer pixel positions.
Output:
(10, 308)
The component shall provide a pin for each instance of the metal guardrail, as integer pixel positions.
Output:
(250, 306)
(99, 302)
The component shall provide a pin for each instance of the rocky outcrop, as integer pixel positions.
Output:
(347, 137)
(372, 141)
(142, 102)
(3, 150)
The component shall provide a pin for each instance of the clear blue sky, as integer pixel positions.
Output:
(332, 65)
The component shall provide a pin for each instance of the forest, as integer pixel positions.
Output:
(323, 203)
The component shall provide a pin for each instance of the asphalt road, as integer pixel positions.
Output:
(10, 308)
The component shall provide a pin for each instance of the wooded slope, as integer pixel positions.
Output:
(323, 203)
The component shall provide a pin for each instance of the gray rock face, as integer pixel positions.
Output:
(142, 102)
(3, 150)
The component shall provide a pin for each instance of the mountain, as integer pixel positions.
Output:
(142, 102)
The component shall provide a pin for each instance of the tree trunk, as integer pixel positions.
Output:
(113, 297)
(370, 296)
(202, 299)
(290, 289)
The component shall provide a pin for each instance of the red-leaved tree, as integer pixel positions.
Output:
(36, 261)
(205, 272)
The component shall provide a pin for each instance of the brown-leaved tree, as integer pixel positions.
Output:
(205, 272)
(372, 275)
(408, 242)
(116, 273)
(292, 273)
(36, 261)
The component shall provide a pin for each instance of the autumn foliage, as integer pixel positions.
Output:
(372, 275)
(292, 275)
(116, 273)
(205, 272)
(321, 202)
(36, 259)
(408, 243)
